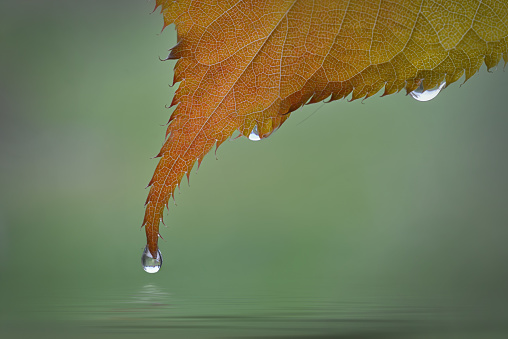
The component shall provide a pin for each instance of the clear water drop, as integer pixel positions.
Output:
(254, 135)
(421, 95)
(149, 263)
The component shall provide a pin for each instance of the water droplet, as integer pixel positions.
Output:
(254, 135)
(421, 95)
(149, 263)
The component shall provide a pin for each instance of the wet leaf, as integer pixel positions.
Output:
(249, 64)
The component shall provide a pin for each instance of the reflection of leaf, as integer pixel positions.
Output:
(245, 64)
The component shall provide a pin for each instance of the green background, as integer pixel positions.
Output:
(390, 201)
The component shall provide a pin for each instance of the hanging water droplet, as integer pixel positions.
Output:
(254, 135)
(421, 95)
(149, 263)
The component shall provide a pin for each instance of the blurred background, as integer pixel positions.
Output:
(374, 219)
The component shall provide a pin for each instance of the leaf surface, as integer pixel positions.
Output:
(245, 64)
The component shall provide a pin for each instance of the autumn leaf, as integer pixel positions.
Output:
(248, 64)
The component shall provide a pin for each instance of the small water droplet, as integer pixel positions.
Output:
(254, 135)
(149, 263)
(421, 95)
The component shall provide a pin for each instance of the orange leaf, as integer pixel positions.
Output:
(246, 64)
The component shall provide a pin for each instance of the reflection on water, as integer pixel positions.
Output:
(153, 310)
(147, 303)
